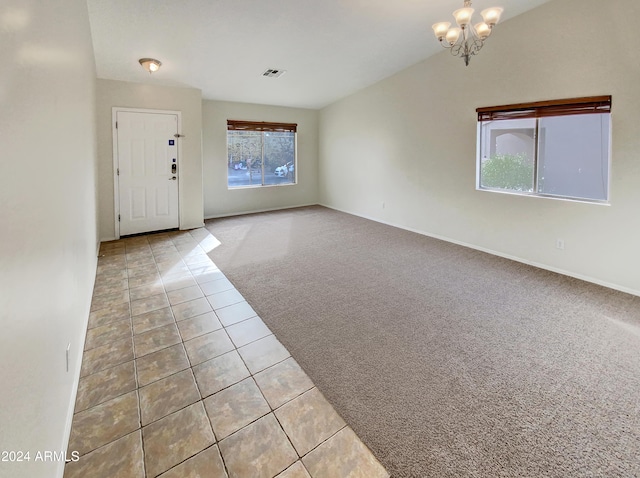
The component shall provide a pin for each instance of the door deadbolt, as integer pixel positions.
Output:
(173, 168)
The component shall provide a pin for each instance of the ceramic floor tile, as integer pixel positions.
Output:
(146, 279)
(199, 325)
(143, 253)
(112, 245)
(105, 385)
(220, 372)
(178, 282)
(168, 395)
(343, 455)
(235, 313)
(106, 356)
(146, 291)
(188, 247)
(204, 277)
(166, 255)
(208, 346)
(260, 450)
(141, 250)
(190, 309)
(107, 248)
(297, 470)
(140, 261)
(144, 250)
(248, 331)
(110, 287)
(208, 242)
(198, 260)
(176, 437)
(171, 266)
(177, 269)
(152, 320)
(156, 339)
(107, 269)
(111, 275)
(161, 364)
(107, 333)
(283, 382)
(121, 458)
(184, 295)
(109, 300)
(116, 259)
(206, 464)
(309, 420)
(199, 270)
(216, 286)
(164, 247)
(146, 269)
(104, 423)
(263, 353)
(235, 407)
(109, 315)
(112, 252)
(111, 281)
(137, 250)
(148, 304)
(225, 299)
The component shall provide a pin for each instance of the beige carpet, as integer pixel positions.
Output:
(446, 361)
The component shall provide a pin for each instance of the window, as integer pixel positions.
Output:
(260, 153)
(555, 148)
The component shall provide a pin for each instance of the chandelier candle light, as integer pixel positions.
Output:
(467, 39)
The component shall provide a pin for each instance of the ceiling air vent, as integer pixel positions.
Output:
(273, 73)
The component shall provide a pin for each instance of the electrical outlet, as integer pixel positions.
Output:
(560, 244)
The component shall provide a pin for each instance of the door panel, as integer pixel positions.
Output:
(148, 196)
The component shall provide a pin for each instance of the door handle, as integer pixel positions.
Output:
(173, 178)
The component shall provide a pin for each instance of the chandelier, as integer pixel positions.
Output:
(467, 39)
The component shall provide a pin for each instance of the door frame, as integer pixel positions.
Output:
(114, 136)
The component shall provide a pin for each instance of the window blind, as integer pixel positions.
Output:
(236, 125)
(541, 109)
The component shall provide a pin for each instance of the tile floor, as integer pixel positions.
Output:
(180, 378)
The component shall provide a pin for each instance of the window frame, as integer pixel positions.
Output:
(264, 127)
(537, 111)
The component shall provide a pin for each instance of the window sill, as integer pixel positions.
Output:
(260, 186)
(545, 196)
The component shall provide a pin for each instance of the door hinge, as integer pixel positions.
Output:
(116, 125)
(118, 217)
(118, 171)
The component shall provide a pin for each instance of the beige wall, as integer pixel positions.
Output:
(220, 201)
(112, 93)
(48, 217)
(409, 142)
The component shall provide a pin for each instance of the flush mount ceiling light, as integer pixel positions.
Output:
(150, 64)
(467, 39)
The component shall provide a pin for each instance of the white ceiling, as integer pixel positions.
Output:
(330, 48)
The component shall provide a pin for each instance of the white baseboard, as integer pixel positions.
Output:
(255, 211)
(539, 265)
(76, 379)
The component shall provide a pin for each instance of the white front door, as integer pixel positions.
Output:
(147, 162)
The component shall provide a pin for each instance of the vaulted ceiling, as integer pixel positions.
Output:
(329, 48)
